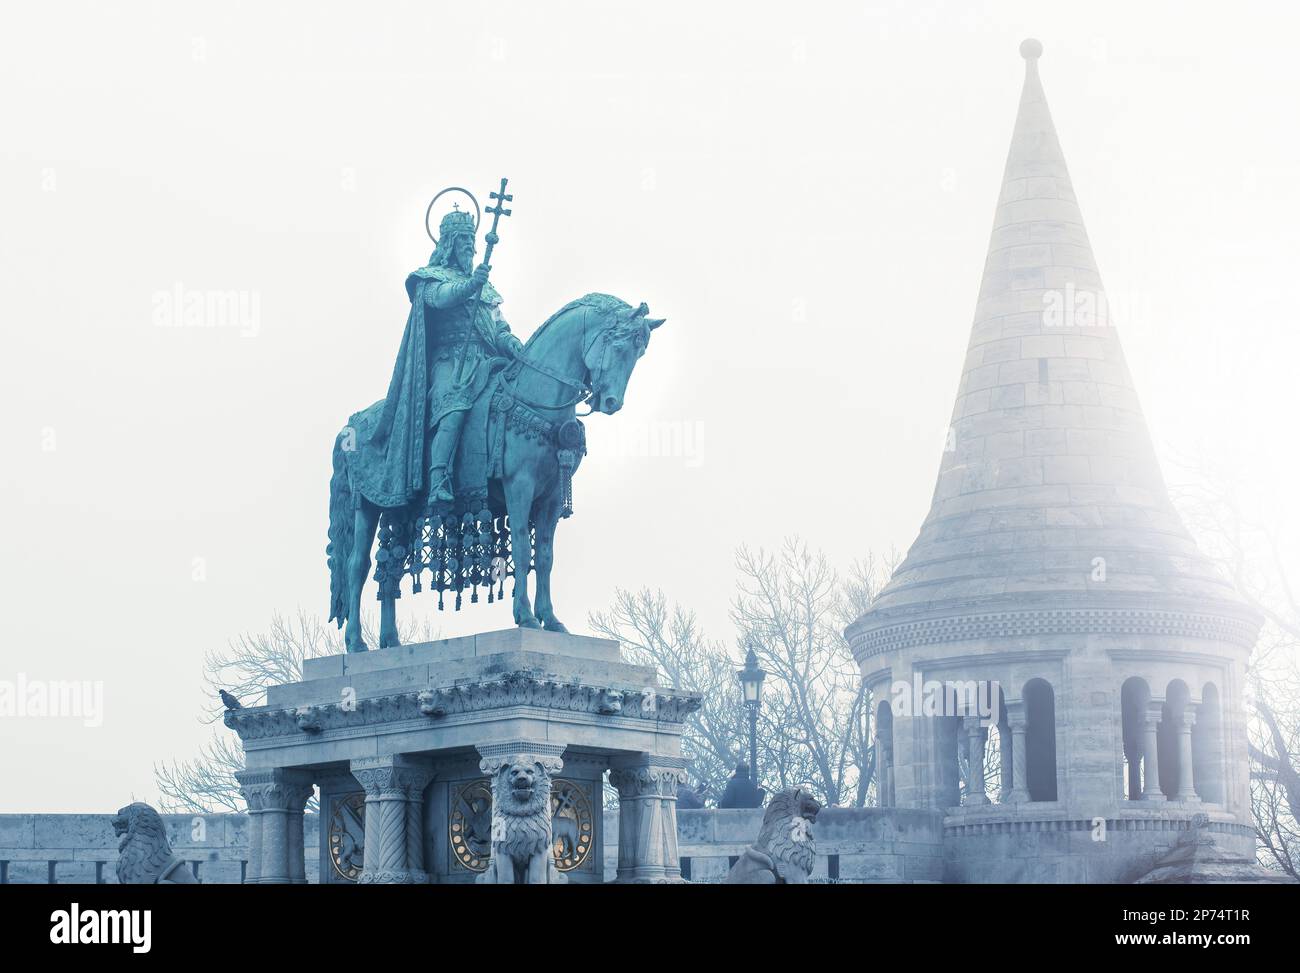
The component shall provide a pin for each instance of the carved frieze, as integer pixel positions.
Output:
(889, 637)
(521, 688)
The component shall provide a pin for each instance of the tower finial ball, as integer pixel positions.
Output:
(1030, 49)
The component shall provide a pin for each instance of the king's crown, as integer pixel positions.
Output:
(457, 221)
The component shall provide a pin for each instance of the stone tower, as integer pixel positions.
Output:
(1053, 579)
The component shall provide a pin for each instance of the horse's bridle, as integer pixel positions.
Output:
(583, 390)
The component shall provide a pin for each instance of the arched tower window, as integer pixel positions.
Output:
(1040, 740)
(1134, 697)
(1207, 747)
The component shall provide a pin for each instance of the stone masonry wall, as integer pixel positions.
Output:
(82, 849)
(860, 844)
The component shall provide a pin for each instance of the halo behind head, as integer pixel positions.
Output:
(478, 213)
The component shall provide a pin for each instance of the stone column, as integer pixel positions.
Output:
(881, 790)
(1016, 720)
(963, 753)
(252, 794)
(1186, 784)
(297, 801)
(945, 764)
(1151, 753)
(885, 768)
(275, 800)
(977, 735)
(1004, 741)
(647, 819)
(394, 786)
(1134, 761)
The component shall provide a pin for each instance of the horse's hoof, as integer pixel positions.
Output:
(554, 625)
(529, 622)
(357, 647)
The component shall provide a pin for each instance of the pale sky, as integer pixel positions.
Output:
(804, 191)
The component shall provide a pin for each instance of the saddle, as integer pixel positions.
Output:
(480, 454)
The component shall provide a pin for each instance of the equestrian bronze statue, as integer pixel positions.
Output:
(464, 469)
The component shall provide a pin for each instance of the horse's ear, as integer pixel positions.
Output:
(655, 322)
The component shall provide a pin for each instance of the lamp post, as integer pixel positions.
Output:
(751, 684)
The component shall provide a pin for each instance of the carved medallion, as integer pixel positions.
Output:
(572, 823)
(469, 828)
(347, 835)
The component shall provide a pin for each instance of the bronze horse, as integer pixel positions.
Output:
(585, 352)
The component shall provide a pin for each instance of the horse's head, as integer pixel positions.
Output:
(613, 351)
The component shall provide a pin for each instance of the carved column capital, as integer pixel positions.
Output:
(648, 781)
(274, 790)
(490, 765)
(975, 726)
(494, 756)
(394, 777)
(1017, 718)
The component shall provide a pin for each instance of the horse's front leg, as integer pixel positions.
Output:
(519, 490)
(358, 566)
(388, 624)
(548, 515)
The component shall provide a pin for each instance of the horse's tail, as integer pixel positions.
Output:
(342, 518)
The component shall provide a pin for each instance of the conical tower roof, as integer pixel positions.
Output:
(1049, 493)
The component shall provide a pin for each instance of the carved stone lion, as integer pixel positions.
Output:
(521, 825)
(610, 702)
(308, 718)
(784, 851)
(144, 854)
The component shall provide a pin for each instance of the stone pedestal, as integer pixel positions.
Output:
(399, 740)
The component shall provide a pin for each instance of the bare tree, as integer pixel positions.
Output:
(246, 669)
(1275, 787)
(206, 784)
(669, 640)
(1248, 553)
(792, 607)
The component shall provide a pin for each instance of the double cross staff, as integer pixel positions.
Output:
(497, 212)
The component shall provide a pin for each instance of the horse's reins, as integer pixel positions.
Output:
(584, 391)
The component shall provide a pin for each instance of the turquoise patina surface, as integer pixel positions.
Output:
(465, 467)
